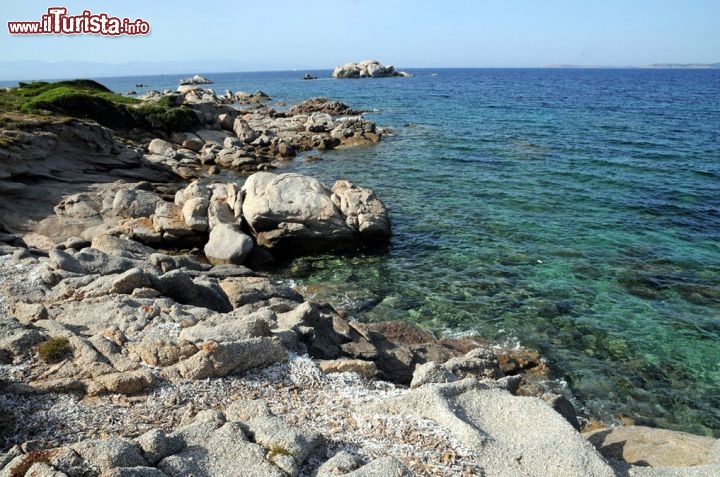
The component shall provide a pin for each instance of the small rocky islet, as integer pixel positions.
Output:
(142, 335)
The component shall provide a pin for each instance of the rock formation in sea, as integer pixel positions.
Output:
(367, 69)
(197, 79)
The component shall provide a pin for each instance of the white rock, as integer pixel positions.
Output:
(161, 148)
(228, 244)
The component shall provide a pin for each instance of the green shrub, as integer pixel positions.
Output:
(54, 349)
(36, 88)
(169, 119)
(87, 99)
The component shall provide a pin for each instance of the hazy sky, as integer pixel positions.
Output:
(287, 34)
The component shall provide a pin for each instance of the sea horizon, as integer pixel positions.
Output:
(200, 71)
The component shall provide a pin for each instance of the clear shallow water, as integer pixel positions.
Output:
(577, 211)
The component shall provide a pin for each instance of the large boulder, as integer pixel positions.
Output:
(362, 209)
(292, 213)
(134, 203)
(510, 435)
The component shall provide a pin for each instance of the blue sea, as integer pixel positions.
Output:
(575, 211)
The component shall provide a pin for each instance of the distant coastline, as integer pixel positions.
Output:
(680, 66)
(33, 70)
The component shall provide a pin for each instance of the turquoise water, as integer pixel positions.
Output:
(574, 211)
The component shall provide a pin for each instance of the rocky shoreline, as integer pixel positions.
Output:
(140, 336)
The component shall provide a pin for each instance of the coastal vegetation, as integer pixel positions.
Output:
(88, 99)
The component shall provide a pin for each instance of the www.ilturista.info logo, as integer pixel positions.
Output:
(58, 22)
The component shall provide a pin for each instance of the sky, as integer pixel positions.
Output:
(239, 35)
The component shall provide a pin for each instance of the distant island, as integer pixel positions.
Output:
(683, 65)
(653, 65)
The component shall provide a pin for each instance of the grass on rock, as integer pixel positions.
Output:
(54, 349)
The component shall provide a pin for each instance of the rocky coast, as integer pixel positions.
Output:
(141, 333)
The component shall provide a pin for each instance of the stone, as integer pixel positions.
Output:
(243, 410)
(194, 190)
(213, 136)
(564, 407)
(108, 453)
(362, 209)
(195, 213)
(141, 229)
(156, 445)
(219, 213)
(340, 464)
(195, 80)
(286, 150)
(226, 121)
(401, 332)
(232, 142)
(170, 221)
(226, 451)
(366, 369)
(90, 261)
(323, 106)
(244, 132)
(19, 339)
(203, 425)
(192, 142)
(319, 122)
(253, 325)
(132, 382)
(70, 462)
(124, 283)
(229, 270)
(29, 312)
(384, 466)
(228, 244)
(250, 289)
(509, 434)
(135, 203)
(646, 446)
(293, 212)
(272, 432)
(201, 291)
(221, 359)
(134, 472)
(40, 469)
(121, 247)
(479, 363)
(367, 69)
(80, 206)
(167, 263)
(160, 353)
(431, 372)
(314, 329)
(161, 148)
